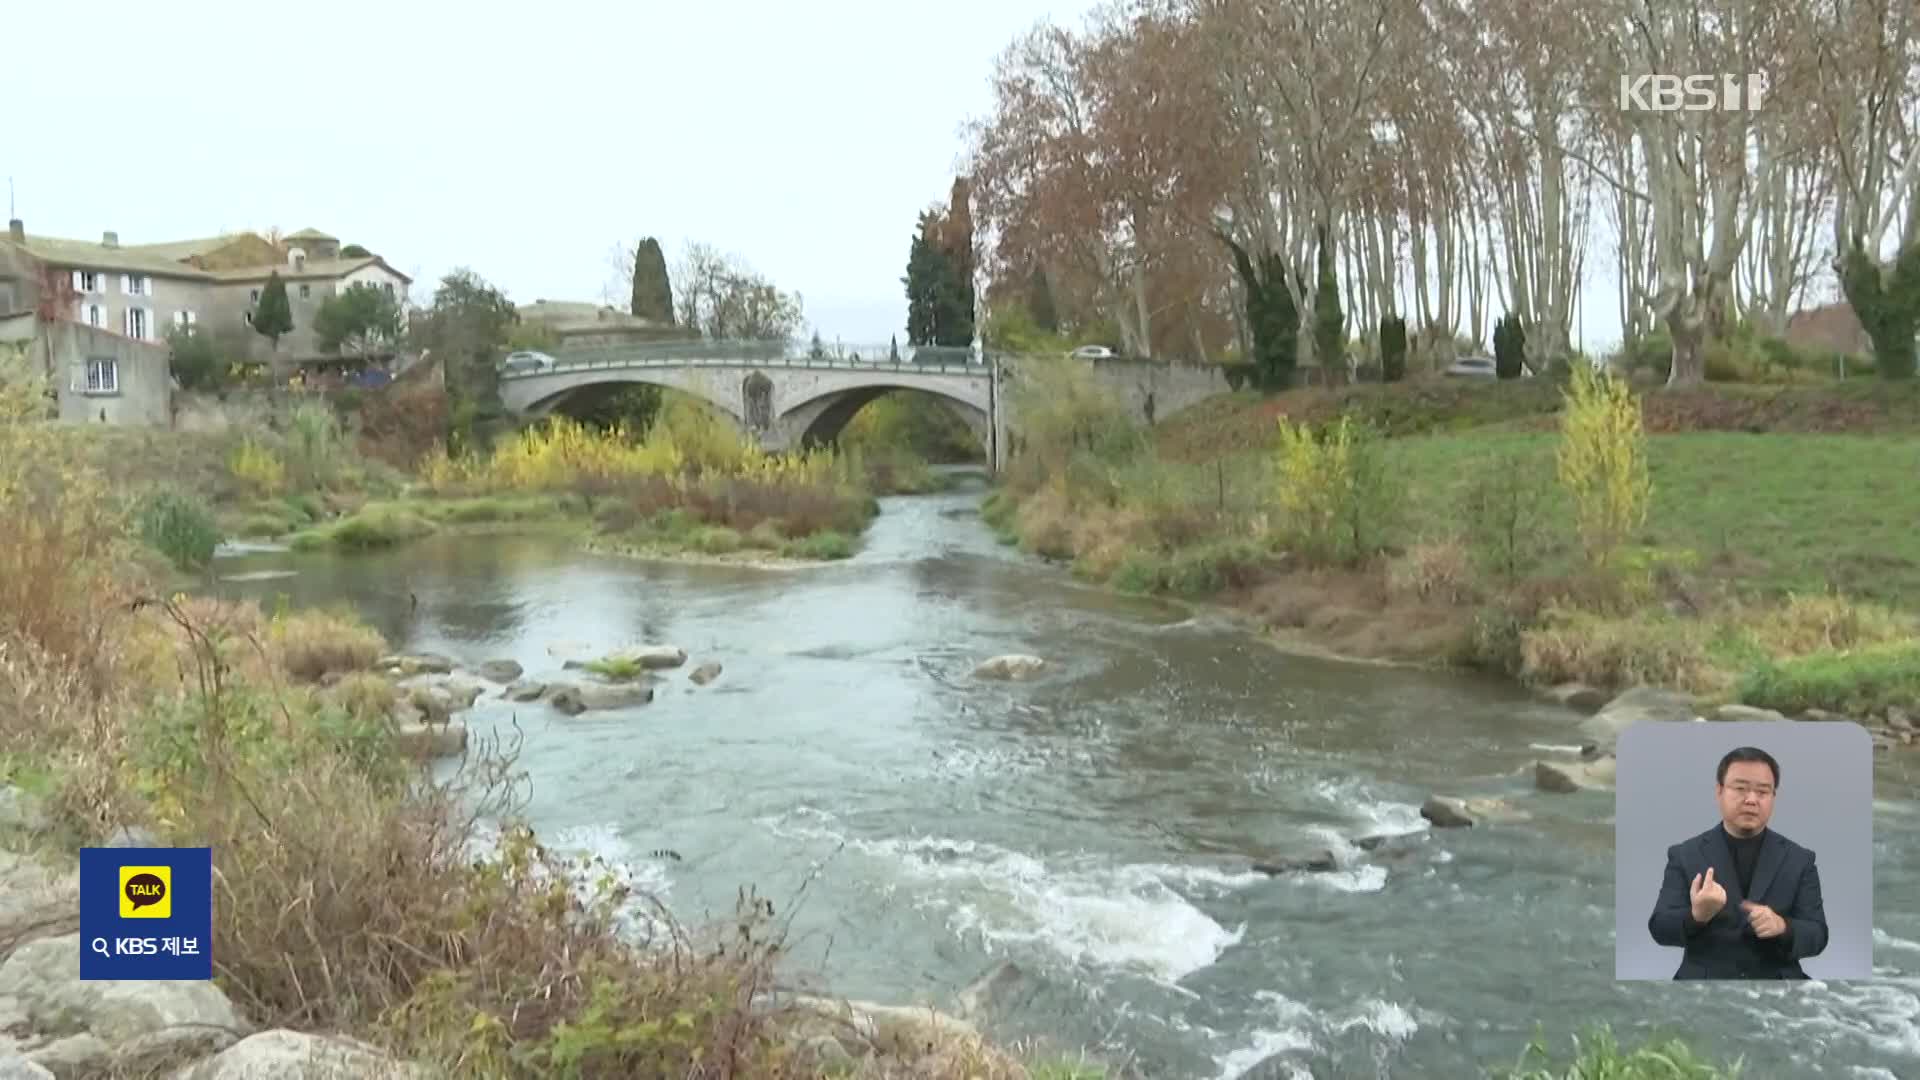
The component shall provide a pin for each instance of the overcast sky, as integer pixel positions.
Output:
(526, 140)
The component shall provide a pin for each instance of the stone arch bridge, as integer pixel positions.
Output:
(787, 402)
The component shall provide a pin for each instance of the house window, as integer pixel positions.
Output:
(306, 291)
(137, 323)
(136, 284)
(96, 315)
(103, 375)
(249, 317)
(185, 319)
(389, 287)
(253, 297)
(86, 281)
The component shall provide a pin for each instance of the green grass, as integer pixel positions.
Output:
(377, 526)
(1856, 682)
(617, 668)
(1775, 513)
(821, 546)
(1599, 1056)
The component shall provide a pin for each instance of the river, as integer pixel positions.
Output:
(918, 826)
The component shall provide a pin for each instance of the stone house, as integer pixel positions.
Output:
(130, 295)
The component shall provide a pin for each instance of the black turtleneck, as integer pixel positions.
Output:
(1746, 852)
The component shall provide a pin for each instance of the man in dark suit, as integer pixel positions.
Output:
(1742, 900)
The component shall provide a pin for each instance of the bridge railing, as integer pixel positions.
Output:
(926, 360)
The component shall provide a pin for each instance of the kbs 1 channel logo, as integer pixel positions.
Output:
(146, 913)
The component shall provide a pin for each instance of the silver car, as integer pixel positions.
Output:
(524, 362)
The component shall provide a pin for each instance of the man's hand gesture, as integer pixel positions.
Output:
(1707, 896)
(1766, 922)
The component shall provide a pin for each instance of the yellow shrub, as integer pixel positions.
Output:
(258, 469)
(1334, 492)
(1603, 461)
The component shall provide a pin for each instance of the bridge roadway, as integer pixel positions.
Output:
(784, 401)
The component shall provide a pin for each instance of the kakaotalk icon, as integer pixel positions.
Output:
(1692, 93)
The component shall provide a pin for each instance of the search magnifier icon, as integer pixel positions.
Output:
(100, 946)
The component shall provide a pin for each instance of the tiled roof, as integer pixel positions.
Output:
(314, 270)
(181, 250)
(79, 254)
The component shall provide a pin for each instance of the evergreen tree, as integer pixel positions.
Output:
(939, 305)
(652, 289)
(817, 351)
(1509, 346)
(1040, 302)
(273, 315)
(1271, 315)
(1887, 303)
(1393, 348)
(1329, 322)
(893, 349)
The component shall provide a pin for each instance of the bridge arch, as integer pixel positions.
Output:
(556, 394)
(821, 418)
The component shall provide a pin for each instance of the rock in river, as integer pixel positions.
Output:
(576, 699)
(1014, 666)
(1446, 813)
(1643, 704)
(651, 657)
(416, 664)
(500, 671)
(704, 674)
(524, 690)
(1565, 777)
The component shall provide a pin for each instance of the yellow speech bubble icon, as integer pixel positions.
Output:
(146, 892)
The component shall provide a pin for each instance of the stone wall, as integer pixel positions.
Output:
(141, 393)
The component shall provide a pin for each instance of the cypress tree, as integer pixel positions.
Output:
(1509, 346)
(1393, 348)
(273, 316)
(652, 289)
(1329, 323)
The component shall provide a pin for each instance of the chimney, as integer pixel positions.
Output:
(110, 239)
(17, 231)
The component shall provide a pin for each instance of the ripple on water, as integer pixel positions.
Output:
(1119, 917)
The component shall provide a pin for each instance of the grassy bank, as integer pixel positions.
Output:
(1768, 558)
(690, 487)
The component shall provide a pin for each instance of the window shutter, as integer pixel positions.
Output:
(76, 281)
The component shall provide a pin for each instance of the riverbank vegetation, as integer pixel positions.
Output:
(1558, 530)
(429, 921)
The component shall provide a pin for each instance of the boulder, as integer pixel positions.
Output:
(986, 993)
(500, 671)
(22, 810)
(455, 691)
(1643, 704)
(36, 898)
(1013, 666)
(416, 664)
(1310, 862)
(582, 697)
(704, 674)
(1819, 715)
(1738, 713)
(524, 690)
(295, 1055)
(99, 1026)
(1446, 813)
(15, 1067)
(423, 741)
(1579, 696)
(651, 657)
(890, 1028)
(1900, 720)
(1566, 778)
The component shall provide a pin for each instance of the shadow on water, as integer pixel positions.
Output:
(1094, 825)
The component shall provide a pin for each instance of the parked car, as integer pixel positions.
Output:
(1480, 367)
(524, 362)
(1093, 352)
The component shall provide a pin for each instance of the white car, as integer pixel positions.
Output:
(525, 361)
(1480, 367)
(1092, 352)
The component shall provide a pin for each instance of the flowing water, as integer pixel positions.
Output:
(919, 826)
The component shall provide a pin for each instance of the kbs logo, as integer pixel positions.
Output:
(1693, 93)
(146, 892)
